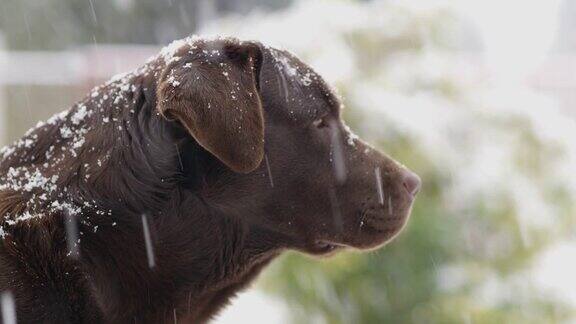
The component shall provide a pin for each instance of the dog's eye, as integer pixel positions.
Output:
(320, 123)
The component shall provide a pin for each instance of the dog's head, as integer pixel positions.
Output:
(278, 153)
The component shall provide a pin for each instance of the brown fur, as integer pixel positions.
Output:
(187, 140)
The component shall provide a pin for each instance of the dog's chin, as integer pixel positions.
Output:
(322, 248)
(327, 248)
(368, 240)
(378, 231)
(371, 236)
(371, 239)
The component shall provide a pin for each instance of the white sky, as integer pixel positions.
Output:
(516, 34)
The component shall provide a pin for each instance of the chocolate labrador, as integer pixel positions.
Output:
(168, 189)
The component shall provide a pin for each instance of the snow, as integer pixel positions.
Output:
(79, 115)
(302, 75)
(72, 239)
(8, 308)
(7, 151)
(148, 242)
(352, 138)
(41, 181)
(173, 82)
(21, 178)
(168, 53)
(378, 175)
(66, 132)
(269, 171)
(337, 154)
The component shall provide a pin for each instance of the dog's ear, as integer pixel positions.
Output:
(212, 90)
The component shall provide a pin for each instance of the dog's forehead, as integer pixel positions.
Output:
(293, 68)
(299, 72)
(298, 82)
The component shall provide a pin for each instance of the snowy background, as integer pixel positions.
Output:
(478, 97)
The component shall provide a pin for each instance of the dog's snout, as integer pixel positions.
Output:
(411, 182)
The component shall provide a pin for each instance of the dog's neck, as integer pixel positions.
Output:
(201, 259)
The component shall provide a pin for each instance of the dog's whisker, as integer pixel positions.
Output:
(269, 171)
(175, 317)
(8, 308)
(72, 239)
(390, 208)
(378, 175)
(337, 154)
(148, 241)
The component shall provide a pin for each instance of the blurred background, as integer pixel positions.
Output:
(477, 96)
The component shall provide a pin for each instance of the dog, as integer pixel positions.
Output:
(167, 190)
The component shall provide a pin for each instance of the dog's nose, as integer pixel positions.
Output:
(411, 182)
